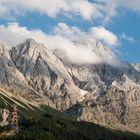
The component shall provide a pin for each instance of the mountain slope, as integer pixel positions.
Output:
(45, 73)
(112, 96)
(48, 124)
(9, 74)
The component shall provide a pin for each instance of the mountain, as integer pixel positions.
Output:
(45, 73)
(12, 80)
(112, 96)
(105, 94)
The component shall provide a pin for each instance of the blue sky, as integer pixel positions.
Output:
(120, 18)
(128, 23)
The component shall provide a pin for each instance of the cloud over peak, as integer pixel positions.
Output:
(95, 32)
(104, 35)
(70, 41)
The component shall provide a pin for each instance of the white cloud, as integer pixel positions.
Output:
(73, 33)
(123, 36)
(76, 54)
(104, 35)
(77, 46)
(88, 10)
(110, 8)
(52, 8)
(99, 33)
(130, 4)
(86, 44)
(14, 34)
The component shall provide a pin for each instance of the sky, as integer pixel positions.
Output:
(59, 23)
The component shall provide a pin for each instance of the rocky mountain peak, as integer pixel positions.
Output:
(45, 73)
(24, 48)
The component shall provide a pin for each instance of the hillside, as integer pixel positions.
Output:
(45, 123)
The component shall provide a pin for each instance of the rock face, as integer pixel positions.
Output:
(45, 73)
(9, 74)
(112, 95)
(101, 93)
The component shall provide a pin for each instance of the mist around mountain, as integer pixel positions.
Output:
(38, 79)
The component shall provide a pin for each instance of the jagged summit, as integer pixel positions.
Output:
(30, 40)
